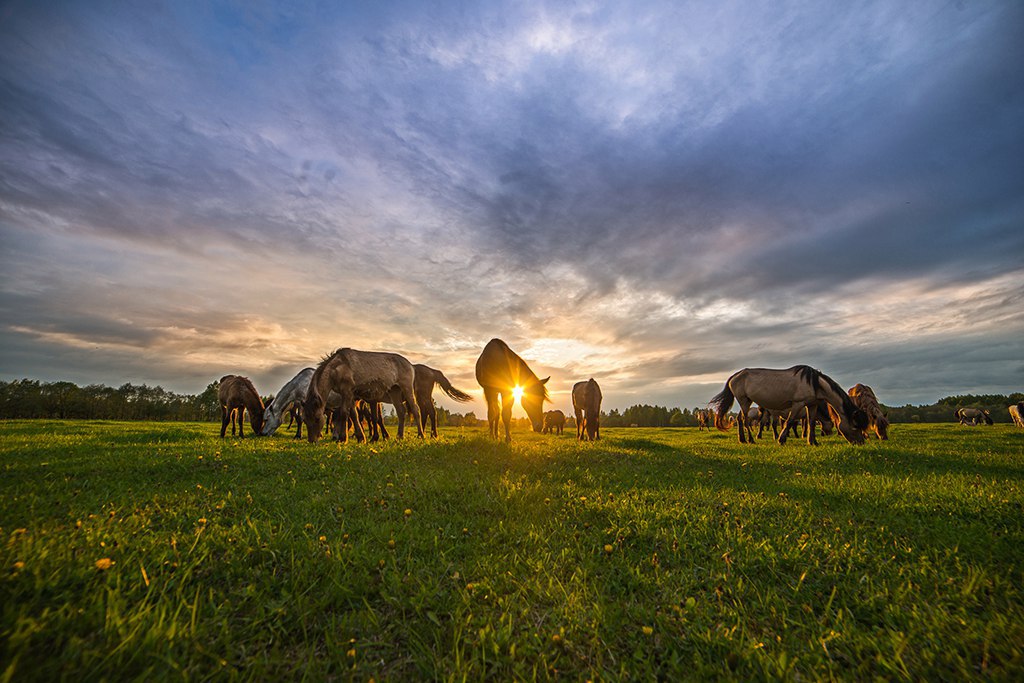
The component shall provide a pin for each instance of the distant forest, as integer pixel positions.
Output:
(28, 399)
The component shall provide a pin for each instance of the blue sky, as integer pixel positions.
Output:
(653, 194)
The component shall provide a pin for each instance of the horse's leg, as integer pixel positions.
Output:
(409, 396)
(378, 414)
(241, 422)
(597, 425)
(298, 428)
(579, 424)
(506, 413)
(743, 418)
(785, 424)
(491, 396)
(432, 416)
(353, 415)
(812, 414)
(223, 420)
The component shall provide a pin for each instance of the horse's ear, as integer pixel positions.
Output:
(545, 380)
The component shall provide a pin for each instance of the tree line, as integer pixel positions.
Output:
(29, 399)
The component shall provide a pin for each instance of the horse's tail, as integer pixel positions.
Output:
(720, 403)
(452, 392)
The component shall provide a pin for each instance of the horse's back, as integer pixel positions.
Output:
(494, 367)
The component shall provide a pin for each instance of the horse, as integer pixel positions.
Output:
(586, 402)
(426, 378)
(973, 415)
(554, 421)
(702, 420)
(865, 399)
(237, 393)
(792, 392)
(351, 374)
(500, 372)
(290, 394)
(1017, 413)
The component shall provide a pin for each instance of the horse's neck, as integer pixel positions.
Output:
(834, 398)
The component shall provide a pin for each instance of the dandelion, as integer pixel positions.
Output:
(556, 639)
(19, 565)
(608, 548)
(407, 512)
(351, 653)
(391, 544)
(647, 630)
(323, 539)
(202, 520)
(104, 563)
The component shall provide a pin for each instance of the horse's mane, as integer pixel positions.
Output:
(816, 377)
(313, 397)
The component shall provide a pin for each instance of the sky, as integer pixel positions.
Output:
(652, 194)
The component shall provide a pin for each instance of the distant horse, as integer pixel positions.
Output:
(865, 399)
(238, 393)
(974, 416)
(775, 419)
(426, 378)
(554, 421)
(287, 398)
(702, 420)
(586, 402)
(351, 374)
(792, 391)
(499, 371)
(1017, 413)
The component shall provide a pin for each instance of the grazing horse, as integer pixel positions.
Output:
(1017, 413)
(501, 372)
(351, 374)
(702, 420)
(238, 393)
(586, 402)
(290, 394)
(865, 399)
(554, 421)
(426, 378)
(974, 416)
(790, 392)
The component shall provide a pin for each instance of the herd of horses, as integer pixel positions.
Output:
(348, 387)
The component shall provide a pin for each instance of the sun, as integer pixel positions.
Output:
(517, 393)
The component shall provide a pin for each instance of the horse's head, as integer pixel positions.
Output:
(313, 416)
(851, 422)
(532, 400)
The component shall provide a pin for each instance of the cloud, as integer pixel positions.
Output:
(656, 194)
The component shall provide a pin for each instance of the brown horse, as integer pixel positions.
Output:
(973, 416)
(426, 379)
(238, 393)
(792, 392)
(554, 421)
(702, 420)
(865, 399)
(351, 374)
(1017, 413)
(500, 372)
(586, 402)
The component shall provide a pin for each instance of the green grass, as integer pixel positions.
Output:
(270, 559)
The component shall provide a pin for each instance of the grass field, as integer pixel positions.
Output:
(159, 551)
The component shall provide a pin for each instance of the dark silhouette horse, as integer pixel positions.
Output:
(554, 421)
(791, 392)
(586, 403)
(237, 393)
(500, 371)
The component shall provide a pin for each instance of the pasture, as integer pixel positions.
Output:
(160, 551)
